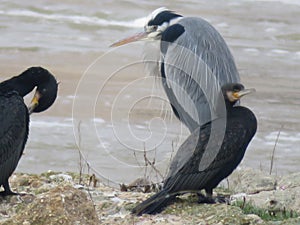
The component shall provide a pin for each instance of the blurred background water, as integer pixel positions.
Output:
(114, 112)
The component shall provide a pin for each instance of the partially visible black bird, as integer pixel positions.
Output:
(209, 154)
(14, 115)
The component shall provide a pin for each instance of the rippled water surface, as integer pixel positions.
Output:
(115, 113)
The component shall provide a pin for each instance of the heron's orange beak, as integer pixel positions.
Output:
(136, 37)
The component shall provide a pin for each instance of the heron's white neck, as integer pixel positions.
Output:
(175, 20)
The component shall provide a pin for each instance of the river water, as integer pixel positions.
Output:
(117, 115)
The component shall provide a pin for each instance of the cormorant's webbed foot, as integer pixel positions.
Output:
(7, 191)
(222, 199)
(205, 199)
(209, 199)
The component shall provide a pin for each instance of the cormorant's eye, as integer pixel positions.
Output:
(237, 88)
(44, 90)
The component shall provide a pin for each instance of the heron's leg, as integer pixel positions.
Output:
(7, 191)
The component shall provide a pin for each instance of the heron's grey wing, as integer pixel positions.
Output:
(191, 175)
(196, 65)
(13, 133)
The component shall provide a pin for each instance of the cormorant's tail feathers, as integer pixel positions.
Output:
(155, 204)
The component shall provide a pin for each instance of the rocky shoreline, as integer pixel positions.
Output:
(58, 198)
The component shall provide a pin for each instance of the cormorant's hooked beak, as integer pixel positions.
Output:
(242, 93)
(34, 102)
(136, 37)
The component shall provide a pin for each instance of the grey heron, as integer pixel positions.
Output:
(185, 176)
(194, 62)
(14, 116)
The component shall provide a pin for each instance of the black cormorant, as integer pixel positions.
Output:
(209, 154)
(14, 115)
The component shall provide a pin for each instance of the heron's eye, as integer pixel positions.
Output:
(150, 29)
(154, 28)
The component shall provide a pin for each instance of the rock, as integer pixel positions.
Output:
(265, 192)
(278, 200)
(255, 218)
(214, 214)
(251, 181)
(61, 177)
(53, 198)
(62, 205)
(25, 182)
(289, 181)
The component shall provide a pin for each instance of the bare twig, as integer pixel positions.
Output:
(81, 165)
(136, 159)
(153, 163)
(154, 168)
(146, 161)
(171, 157)
(244, 203)
(260, 166)
(80, 154)
(93, 180)
(227, 181)
(273, 152)
(91, 198)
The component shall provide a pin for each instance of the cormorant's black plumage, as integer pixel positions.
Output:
(189, 172)
(14, 116)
